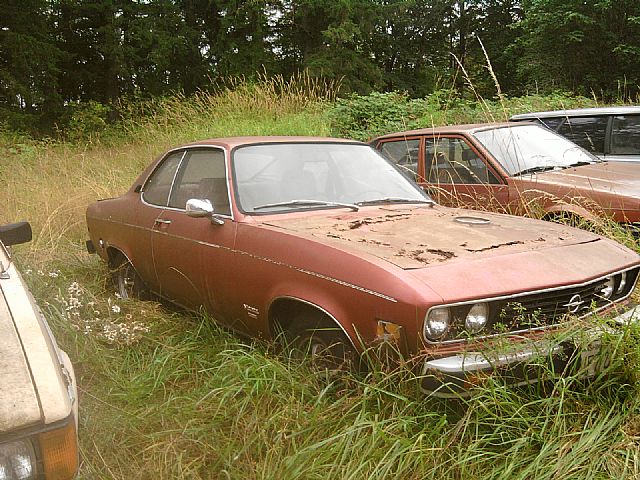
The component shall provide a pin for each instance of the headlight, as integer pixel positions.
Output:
(17, 461)
(436, 324)
(608, 288)
(477, 317)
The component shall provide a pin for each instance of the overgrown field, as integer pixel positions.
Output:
(166, 394)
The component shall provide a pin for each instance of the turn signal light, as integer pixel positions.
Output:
(60, 452)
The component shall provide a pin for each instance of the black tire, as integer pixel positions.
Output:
(313, 336)
(128, 282)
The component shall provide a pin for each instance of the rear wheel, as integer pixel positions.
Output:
(128, 282)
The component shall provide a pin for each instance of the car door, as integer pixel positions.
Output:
(456, 173)
(153, 201)
(193, 256)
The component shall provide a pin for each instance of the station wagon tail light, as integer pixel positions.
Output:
(477, 317)
(436, 323)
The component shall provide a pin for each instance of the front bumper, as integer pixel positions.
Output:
(456, 375)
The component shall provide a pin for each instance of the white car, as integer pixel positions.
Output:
(611, 133)
(38, 393)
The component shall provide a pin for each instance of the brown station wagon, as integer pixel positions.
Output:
(326, 242)
(515, 167)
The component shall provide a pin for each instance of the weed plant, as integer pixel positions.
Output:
(169, 395)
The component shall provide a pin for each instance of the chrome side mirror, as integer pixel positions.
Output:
(202, 207)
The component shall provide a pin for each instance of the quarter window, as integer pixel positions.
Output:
(588, 132)
(202, 175)
(625, 135)
(404, 154)
(452, 160)
(156, 190)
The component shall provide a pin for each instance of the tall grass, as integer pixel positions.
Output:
(51, 183)
(168, 395)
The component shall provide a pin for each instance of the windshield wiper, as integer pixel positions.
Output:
(308, 203)
(537, 169)
(580, 164)
(394, 200)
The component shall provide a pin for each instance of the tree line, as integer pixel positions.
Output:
(56, 54)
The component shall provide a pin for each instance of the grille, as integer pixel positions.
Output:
(519, 313)
(544, 308)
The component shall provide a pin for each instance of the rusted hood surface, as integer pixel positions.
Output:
(419, 237)
(619, 178)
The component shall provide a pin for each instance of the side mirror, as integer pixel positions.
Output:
(15, 233)
(202, 207)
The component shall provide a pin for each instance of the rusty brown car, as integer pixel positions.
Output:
(514, 168)
(327, 243)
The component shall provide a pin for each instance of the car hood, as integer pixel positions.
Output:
(33, 391)
(18, 398)
(412, 237)
(609, 177)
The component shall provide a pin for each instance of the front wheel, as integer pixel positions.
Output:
(314, 337)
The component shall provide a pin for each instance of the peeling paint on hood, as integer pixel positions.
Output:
(417, 237)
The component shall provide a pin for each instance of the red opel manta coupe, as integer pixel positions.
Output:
(327, 242)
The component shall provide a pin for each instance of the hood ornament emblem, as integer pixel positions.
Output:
(574, 304)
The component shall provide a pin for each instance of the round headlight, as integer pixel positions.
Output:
(17, 460)
(436, 324)
(477, 317)
(608, 288)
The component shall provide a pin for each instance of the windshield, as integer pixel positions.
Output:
(530, 148)
(281, 177)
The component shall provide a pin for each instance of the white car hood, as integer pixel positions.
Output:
(18, 399)
(33, 388)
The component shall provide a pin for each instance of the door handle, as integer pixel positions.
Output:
(164, 222)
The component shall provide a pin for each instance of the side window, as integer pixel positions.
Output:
(404, 154)
(625, 135)
(202, 175)
(588, 132)
(452, 160)
(156, 190)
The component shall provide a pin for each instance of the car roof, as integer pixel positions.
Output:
(232, 142)
(465, 128)
(579, 112)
